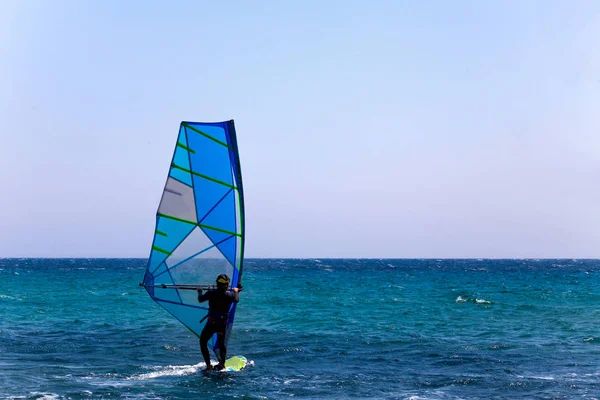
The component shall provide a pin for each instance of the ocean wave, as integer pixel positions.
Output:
(173, 370)
(38, 396)
(544, 378)
(429, 395)
(461, 299)
(169, 370)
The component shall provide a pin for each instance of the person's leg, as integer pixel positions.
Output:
(207, 332)
(222, 349)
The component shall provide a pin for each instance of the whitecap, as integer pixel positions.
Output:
(169, 370)
(459, 299)
(44, 395)
(482, 301)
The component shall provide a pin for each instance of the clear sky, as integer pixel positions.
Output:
(366, 128)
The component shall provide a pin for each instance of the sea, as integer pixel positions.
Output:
(310, 328)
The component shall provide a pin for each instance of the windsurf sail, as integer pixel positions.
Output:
(199, 230)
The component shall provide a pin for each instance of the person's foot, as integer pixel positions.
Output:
(208, 368)
(219, 367)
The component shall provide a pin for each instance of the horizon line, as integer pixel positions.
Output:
(320, 258)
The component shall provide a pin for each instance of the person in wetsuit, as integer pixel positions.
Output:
(219, 303)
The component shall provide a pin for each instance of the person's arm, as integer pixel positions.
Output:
(202, 297)
(236, 295)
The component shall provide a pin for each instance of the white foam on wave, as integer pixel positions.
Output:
(461, 299)
(44, 395)
(544, 378)
(430, 395)
(169, 370)
(174, 370)
(5, 296)
(540, 377)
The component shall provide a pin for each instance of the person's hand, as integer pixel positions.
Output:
(199, 292)
(235, 290)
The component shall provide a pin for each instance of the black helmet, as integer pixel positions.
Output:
(223, 280)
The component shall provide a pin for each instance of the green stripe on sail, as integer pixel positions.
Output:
(219, 230)
(206, 135)
(161, 233)
(185, 148)
(203, 176)
(176, 219)
(161, 250)
(197, 224)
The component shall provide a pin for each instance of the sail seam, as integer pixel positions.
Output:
(161, 250)
(214, 228)
(186, 148)
(203, 176)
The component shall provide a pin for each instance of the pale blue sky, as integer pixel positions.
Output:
(366, 129)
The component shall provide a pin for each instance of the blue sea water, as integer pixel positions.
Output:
(323, 329)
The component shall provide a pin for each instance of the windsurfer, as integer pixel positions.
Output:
(219, 303)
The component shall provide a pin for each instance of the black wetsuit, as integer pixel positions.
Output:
(219, 303)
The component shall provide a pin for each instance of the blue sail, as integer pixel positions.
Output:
(199, 223)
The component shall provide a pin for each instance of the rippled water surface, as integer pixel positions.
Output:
(421, 329)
